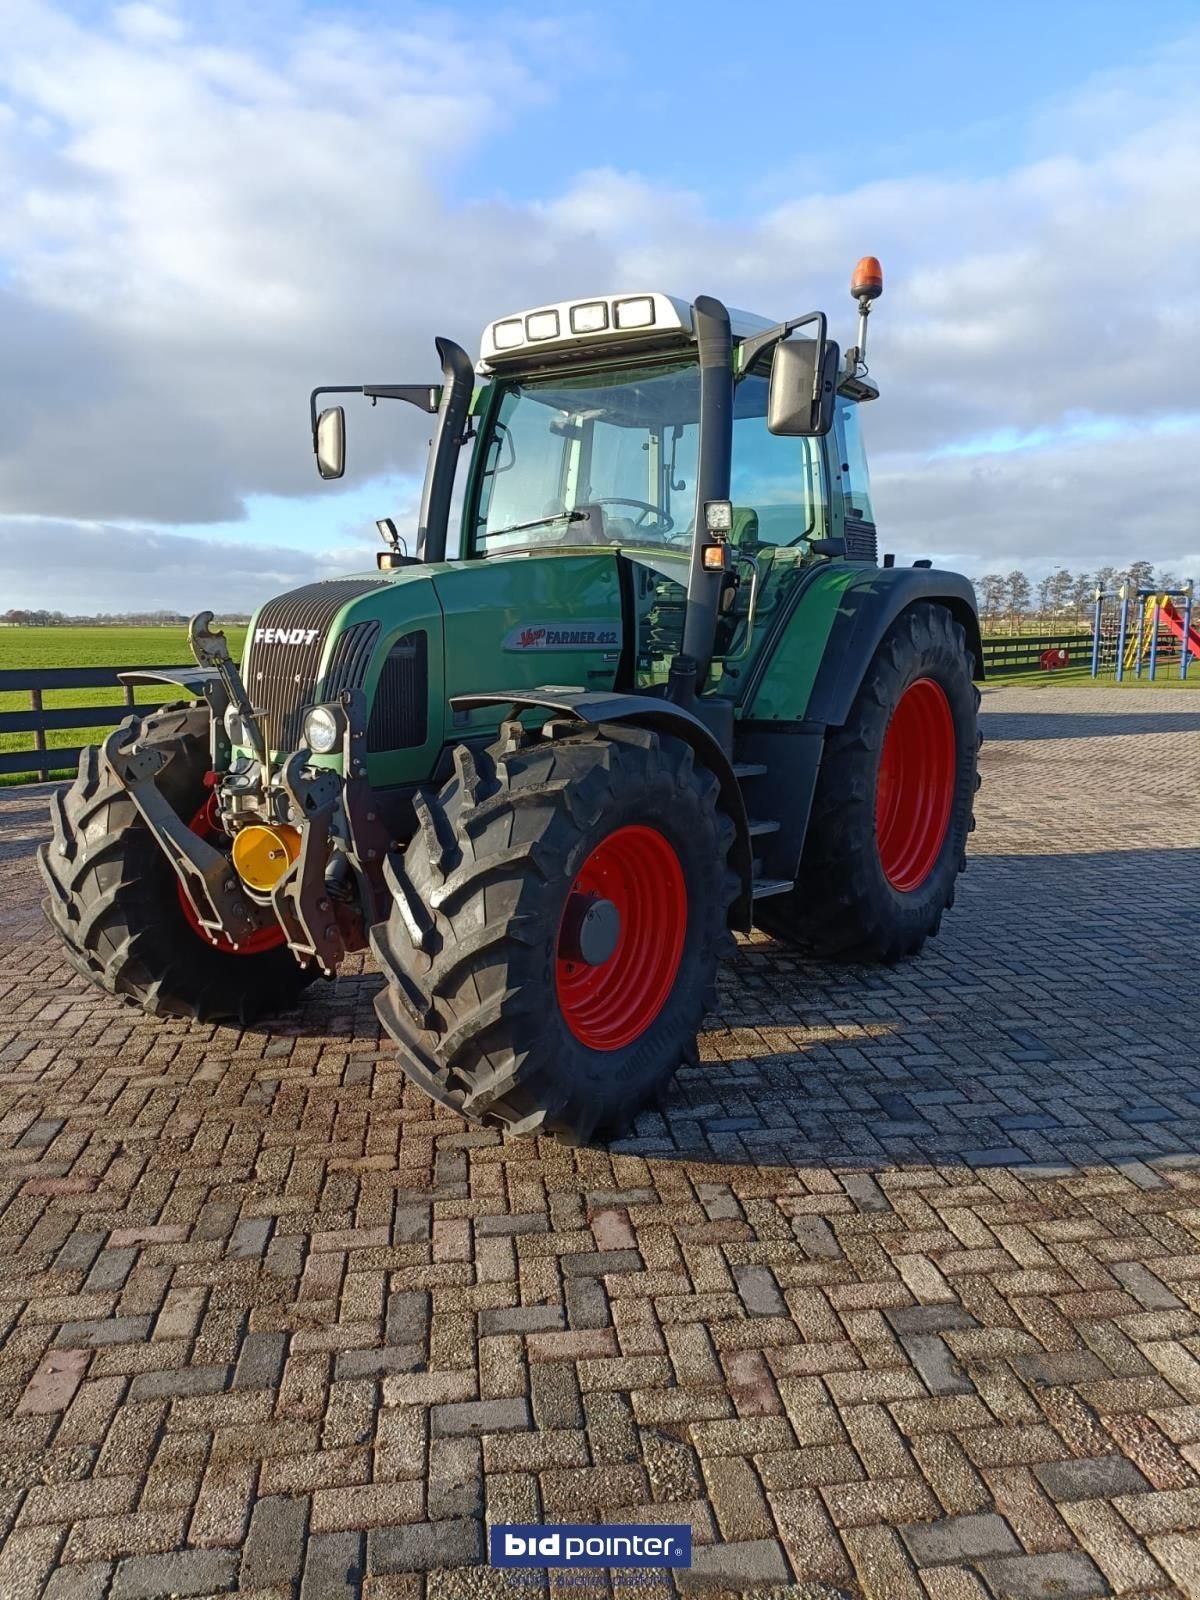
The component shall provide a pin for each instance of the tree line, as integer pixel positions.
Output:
(18, 618)
(1062, 596)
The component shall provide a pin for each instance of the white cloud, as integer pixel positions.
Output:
(204, 227)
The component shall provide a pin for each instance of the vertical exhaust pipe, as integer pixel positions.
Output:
(434, 519)
(714, 341)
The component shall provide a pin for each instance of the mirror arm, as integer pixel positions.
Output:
(425, 396)
(767, 340)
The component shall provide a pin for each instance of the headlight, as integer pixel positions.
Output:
(321, 730)
(236, 730)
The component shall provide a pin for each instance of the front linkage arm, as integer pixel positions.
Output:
(207, 878)
(211, 650)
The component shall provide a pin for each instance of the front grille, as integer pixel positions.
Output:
(281, 678)
(400, 715)
(351, 657)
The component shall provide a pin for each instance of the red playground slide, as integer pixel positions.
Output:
(1174, 621)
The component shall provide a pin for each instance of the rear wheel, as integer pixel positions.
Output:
(556, 926)
(115, 900)
(893, 804)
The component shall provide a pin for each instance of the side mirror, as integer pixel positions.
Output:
(803, 388)
(331, 442)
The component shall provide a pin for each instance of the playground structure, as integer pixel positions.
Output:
(1137, 631)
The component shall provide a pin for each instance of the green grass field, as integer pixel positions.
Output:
(87, 647)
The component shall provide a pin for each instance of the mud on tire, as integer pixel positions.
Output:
(469, 950)
(844, 905)
(113, 896)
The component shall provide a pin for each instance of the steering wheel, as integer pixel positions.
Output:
(665, 522)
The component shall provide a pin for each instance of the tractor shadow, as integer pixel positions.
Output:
(1048, 1029)
(1037, 725)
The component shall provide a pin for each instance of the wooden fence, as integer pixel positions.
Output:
(39, 760)
(1022, 652)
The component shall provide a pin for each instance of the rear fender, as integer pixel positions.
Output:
(595, 707)
(813, 665)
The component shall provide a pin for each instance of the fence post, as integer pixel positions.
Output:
(1096, 633)
(39, 735)
(1122, 630)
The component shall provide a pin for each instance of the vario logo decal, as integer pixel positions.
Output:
(527, 636)
(285, 635)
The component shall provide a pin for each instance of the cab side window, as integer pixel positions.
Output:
(856, 483)
(776, 484)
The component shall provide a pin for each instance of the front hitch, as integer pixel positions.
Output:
(205, 875)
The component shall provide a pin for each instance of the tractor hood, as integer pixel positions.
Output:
(413, 637)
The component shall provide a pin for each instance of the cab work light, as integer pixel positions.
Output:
(591, 317)
(509, 334)
(542, 325)
(635, 313)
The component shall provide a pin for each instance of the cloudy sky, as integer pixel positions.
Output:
(206, 209)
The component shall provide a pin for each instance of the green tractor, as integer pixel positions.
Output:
(664, 690)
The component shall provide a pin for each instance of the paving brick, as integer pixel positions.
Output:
(456, 1542)
(1102, 1477)
(175, 1572)
(55, 1383)
(82, 1580)
(370, 1505)
(936, 1544)
(1069, 1574)
(759, 1291)
(881, 1564)
(742, 1566)
(479, 1416)
(104, 1330)
(333, 1567)
(260, 1361)
(273, 1554)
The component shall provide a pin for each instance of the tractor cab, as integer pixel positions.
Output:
(712, 455)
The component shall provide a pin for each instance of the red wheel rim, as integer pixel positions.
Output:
(915, 794)
(610, 1005)
(206, 823)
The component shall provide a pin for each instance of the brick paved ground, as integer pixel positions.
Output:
(900, 1297)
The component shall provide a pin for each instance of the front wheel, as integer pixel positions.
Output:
(893, 804)
(116, 903)
(556, 925)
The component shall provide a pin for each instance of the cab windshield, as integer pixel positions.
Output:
(605, 457)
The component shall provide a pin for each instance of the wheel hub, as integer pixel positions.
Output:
(591, 930)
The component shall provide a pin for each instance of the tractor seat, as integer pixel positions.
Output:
(745, 526)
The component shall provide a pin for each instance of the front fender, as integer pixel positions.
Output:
(594, 707)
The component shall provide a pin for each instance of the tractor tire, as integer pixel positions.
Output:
(500, 1006)
(116, 903)
(893, 804)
